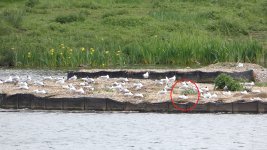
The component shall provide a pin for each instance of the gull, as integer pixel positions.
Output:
(244, 92)
(227, 93)
(48, 78)
(207, 95)
(172, 78)
(256, 99)
(72, 88)
(225, 88)
(205, 89)
(40, 91)
(16, 78)
(89, 87)
(83, 83)
(163, 92)
(80, 91)
(256, 91)
(39, 83)
(166, 80)
(61, 81)
(138, 86)
(118, 87)
(214, 95)
(9, 80)
(167, 87)
(183, 96)
(23, 84)
(65, 86)
(159, 82)
(29, 78)
(139, 95)
(146, 75)
(184, 85)
(128, 94)
(240, 65)
(89, 80)
(104, 77)
(73, 78)
(124, 90)
(1, 81)
(123, 79)
(249, 83)
(24, 87)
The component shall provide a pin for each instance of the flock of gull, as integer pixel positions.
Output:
(87, 84)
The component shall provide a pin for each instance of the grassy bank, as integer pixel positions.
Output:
(112, 33)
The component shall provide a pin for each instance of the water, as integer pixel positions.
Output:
(84, 131)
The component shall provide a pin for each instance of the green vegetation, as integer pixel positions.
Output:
(116, 33)
(225, 80)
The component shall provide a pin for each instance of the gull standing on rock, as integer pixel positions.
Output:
(73, 78)
(40, 92)
(60, 81)
(163, 92)
(1, 81)
(183, 96)
(39, 83)
(146, 75)
(48, 78)
(128, 94)
(9, 80)
(104, 77)
(80, 91)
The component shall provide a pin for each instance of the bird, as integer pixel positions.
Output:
(227, 93)
(84, 83)
(138, 95)
(184, 85)
(146, 75)
(172, 79)
(61, 81)
(89, 87)
(1, 81)
(244, 92)
(24, 87)
(128, 94)
(23, 84)
(65, 86)
(89, 80)
(80, 91)
(205, 89)
(256, 99)
(166, 80)
(40, 91)
(48, 78)
(163, 92)
(38, 83)
(29, 78)
(73, 78)
(138, 85)
(249, 83)
(9, 80)
(240, 65)
(207, 95)
(72, 88)
(15, 78)
(183, 96)
(123, 80)
(124, 90)
(225, 88)
(158, 82)
(104, 77)
(256, 91)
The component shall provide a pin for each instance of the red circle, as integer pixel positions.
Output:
(179, 108)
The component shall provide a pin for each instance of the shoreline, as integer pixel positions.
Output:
(85, 104)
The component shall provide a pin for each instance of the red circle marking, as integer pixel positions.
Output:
(176, 106)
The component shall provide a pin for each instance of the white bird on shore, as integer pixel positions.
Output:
(256, 91)
(9, 80)
(61, 81)
(80, 91)
(89, 80)
(24, 87)
(40, 91)
(72, 88)
(205, 89)
(166, 80)
(138, 95)
(244, 92)
(48, 78)
(65, 86)
(15, 78)
(84, 83)
(124, 90)
(227, 93)
(146, 75)
(225, 88)
(163, 92)
(240, 65)
(73, 78)
(23, 84)
(184, 85)
(256, 99)
(29, 78)
(38, 83)
(183, 96)
(104, 77)
(128, 94)
(123, 80)
(249, 83)
(1, 81)
(172, 79)
(91, 88)
(158, 82)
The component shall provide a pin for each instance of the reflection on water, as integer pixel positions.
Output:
(57, 130)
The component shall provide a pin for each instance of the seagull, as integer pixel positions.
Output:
(24, 87)
(139, 95)
(80, 91)
(89, 80)
(183, 96)
(72, 88)
(184, 85)
(29, 78)
(249, 83)
(205, 89)
(128, 94)
(146, 75)
(1, 81)
(172, 78)
(23, 84)
(73, 78)
(163, 92)
(225, 88)
(207, 95)
(61, 81)
(256, 99)
(48, 78)
(16, 78)
(83, 83)
(244, 92)
(256, 91)
(240, 65)
(123, 79)
(39, 83)
(104, 77)
(89, 87)
(9, 80)
(40, 91)
(159, 82)
(65, 86)
(166, 80)
(124, 90)
(227, 93)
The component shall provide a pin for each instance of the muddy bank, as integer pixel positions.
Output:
(22, 101)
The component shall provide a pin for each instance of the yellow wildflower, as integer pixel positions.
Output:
(62, 45)
(70, 50)
(29, 54)
(106, 52)
(61, 53)
(92, 49)
(82, 49)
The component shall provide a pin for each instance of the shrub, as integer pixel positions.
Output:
(7, 58)
(31, 3)
(70, 18)
(13, 17)
(225, 80)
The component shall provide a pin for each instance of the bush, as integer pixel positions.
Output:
(13, 17)
(225, 80)
(7, 58)
(69, 18)
(31, 3)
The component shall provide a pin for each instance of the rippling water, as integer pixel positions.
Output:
(84, 131)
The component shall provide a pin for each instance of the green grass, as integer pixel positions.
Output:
(117, 33)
